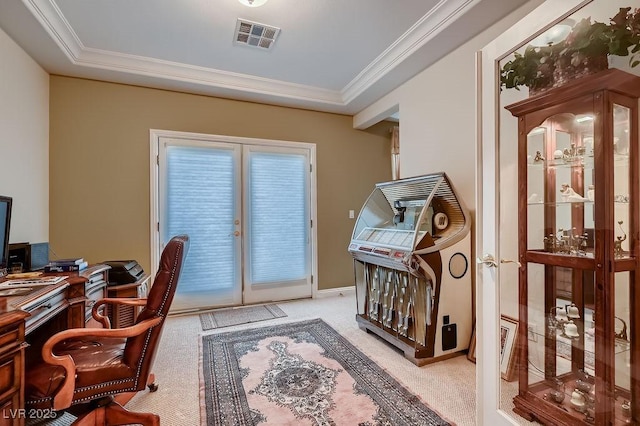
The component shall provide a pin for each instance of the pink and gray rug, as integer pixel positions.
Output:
(301, 373)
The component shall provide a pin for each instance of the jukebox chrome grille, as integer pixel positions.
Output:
(411, 189)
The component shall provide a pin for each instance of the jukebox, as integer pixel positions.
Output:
(411, 247)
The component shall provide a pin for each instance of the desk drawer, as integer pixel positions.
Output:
(10, 371)
(43, 309)
(93, 296)
(10, 338)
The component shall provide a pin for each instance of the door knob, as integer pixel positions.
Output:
(511, 261)
(487, 260)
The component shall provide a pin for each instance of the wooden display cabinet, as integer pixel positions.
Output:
(579, 335)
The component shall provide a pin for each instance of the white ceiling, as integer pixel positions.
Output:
(330, 55)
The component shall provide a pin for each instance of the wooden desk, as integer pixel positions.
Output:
(12, 347)
(28, 320)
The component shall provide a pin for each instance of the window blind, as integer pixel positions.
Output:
(201, 192)
(279, 217)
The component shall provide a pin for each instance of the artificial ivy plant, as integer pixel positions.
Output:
(587, 45)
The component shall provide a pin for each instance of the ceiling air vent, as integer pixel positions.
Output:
(255, 35)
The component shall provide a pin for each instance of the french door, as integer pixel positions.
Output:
(277, 231)
(247, 207)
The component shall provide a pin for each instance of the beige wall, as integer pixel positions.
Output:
(438, 113)
(24, 143)
(438, 116)
(100, 165)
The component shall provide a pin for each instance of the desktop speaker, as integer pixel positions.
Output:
(39, 256)
(26, 257)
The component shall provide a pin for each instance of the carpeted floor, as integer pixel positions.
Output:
(242, 315)
(301, 373)
(448, 386)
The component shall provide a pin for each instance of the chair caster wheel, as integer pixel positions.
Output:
(152, 387)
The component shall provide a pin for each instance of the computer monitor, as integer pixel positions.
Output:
(5, 225)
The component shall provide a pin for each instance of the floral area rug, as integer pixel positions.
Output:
(301, 373)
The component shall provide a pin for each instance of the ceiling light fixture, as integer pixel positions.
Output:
(584, 118)
(253, 3)
(554, 35)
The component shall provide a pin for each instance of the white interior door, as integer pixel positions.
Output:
(496, 212)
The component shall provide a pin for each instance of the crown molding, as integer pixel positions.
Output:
(409, 43)
(192, 74)
(59, 29)
(53, 21)
(55, 24)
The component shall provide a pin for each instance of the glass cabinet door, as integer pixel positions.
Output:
(560, 298)
(621, 179)
(624, 222)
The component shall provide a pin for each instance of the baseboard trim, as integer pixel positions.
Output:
(332, 292)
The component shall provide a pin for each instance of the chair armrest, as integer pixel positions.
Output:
(63, 397)
(113, 300)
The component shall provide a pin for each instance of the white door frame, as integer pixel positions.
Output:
(488, 200)
(154, 140)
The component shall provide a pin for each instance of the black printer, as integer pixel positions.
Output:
(124, 271)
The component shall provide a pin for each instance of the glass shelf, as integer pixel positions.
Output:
(572, 203)
(585, 161)
(562, 203)
(588, 254)
(621, 346)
